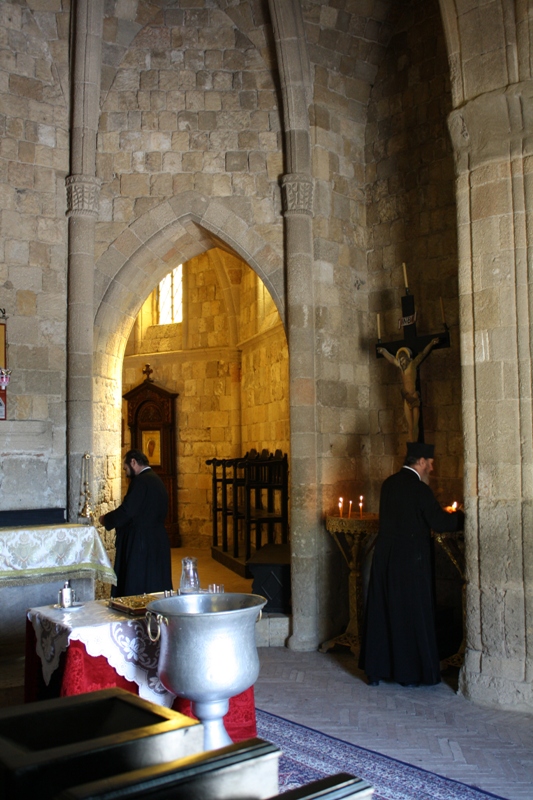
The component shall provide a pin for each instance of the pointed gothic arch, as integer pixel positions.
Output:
(175, 231)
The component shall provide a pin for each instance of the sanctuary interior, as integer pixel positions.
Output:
(320, 177)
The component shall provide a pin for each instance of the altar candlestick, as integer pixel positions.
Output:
(405, 275)
(340, 506)
(361, 507)
(379, 327)
(350, 510)
(442, 311)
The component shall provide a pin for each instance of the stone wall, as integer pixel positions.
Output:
(265, 365)
(337, 119)
(191, 107)
(34, 159)
(412, 218)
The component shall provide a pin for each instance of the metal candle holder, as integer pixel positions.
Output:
(87, 510)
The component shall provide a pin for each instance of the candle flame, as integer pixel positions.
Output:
(454, 506)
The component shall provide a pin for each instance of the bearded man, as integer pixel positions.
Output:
(142, 561)
(399, 641)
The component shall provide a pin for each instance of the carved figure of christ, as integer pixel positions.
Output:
(407, 355)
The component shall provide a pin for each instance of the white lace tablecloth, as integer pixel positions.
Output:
(121, 639)
(42, 550)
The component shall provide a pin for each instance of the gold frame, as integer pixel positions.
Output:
(151, 447)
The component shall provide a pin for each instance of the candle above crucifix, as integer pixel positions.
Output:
(407, 354)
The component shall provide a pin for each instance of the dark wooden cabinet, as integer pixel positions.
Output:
(152, 422)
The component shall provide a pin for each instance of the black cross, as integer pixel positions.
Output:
(148, 371)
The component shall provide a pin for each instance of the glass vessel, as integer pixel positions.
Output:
(189, 582)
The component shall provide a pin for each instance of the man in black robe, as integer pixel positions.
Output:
(399, 640)
(142, 561)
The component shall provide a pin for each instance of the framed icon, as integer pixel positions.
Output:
(151, 447)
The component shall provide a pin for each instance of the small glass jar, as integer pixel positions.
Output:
(189, 582)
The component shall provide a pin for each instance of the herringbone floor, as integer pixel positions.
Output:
(430, 727)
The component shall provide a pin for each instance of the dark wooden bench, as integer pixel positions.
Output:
(250, 506)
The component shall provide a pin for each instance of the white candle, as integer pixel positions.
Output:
(379, 327)
(350, 510)
(361, 506)
(340, 506)
(405, 275)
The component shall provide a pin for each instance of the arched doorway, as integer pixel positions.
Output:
(227, 361)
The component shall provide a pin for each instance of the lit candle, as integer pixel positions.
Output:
(442, 311)
(340, 506)
(361, 507)
(405, 275)
(350, 510)
(379, 327)
(454, 505)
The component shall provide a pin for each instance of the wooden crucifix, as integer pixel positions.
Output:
(407, 354)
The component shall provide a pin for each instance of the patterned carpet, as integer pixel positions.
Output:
(309, 755)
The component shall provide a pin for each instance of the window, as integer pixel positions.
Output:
(170, 297)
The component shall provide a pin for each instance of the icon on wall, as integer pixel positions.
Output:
(151, 447)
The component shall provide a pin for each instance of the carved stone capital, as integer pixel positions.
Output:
(83, 192)
(297, 191)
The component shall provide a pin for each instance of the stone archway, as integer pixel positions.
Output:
(140, 257)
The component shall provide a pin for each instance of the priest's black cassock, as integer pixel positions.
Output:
(142, 561)
(399, 639)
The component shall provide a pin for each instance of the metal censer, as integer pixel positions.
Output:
(208, 652)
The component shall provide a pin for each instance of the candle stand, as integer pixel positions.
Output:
(353, 537)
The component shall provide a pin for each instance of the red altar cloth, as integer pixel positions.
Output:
(79, 673)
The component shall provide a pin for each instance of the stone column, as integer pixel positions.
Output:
(306, 526)
(82, 211)
(297, 187)
(492, 141)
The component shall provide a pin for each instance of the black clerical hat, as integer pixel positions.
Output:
(420, 450)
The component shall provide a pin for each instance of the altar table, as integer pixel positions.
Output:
(34, 563)
(94, 647)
